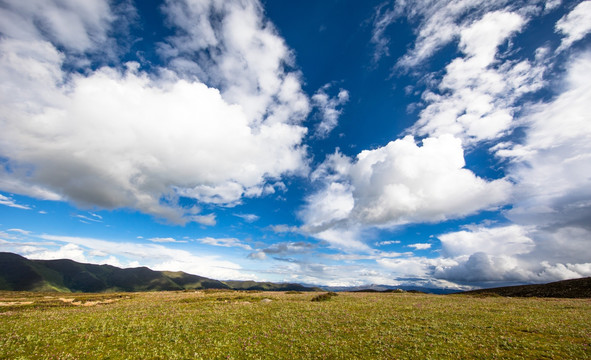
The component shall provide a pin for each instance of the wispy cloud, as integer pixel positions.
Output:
(8, 201)
(250, 218)
(166, 240)
(92, 218)
(387, 242)
(224, 242)
(330, 109)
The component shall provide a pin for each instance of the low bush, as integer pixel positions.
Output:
(324, 297)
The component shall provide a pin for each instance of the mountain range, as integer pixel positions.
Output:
(18, 273)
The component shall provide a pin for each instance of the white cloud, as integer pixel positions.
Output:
(20, 231)
(154, 256)
(398, 184)
(166, 240)
(330, 109)
(575, 25)
(420, 246)
(346, 238)
(112, 139)
(224, 242)
(68, 251)
(514, 254)
(76, 25)
(476, 98)
(506, 240)
(551, 166)
(439, 23)
(249, 61)
(387, 242)
(248, 217)
(417, 267)
(7, 201)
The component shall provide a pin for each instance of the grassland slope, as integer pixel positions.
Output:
(574, 288)
(18, 273)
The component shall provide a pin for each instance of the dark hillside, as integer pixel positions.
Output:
(21, 274)
(574, 288)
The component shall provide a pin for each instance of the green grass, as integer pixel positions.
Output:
(245, 325)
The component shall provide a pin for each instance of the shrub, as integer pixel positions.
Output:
(324, 297)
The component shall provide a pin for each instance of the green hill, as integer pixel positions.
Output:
(268, 286)
(21, 274)
(574, 288)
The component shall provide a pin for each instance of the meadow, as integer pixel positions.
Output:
(277, 325)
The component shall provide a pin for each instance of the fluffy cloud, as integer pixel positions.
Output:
(514, 254)
(124, 138)
(507, 240)
(420, 246)
(398, 184)
(575, 25)
(68, 251)
(240, 53)
(476, 98)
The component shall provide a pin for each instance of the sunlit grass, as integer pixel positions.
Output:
(261, 325)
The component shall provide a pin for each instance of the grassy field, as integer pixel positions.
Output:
(257, 325)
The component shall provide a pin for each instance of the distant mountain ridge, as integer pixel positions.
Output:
(389, 288)
(573, 288)
(18, 273)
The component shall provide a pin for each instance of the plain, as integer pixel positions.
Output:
(211, 324)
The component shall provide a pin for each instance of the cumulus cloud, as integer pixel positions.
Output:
(113, 138)
(575, 25)
(241, 53)
(508, 240)
(475, 99)
(67, 251)
(514, 254)
(397, 184)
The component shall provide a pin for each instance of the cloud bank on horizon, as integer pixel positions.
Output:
(205, 121)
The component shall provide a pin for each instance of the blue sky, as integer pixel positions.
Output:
(443, 144)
